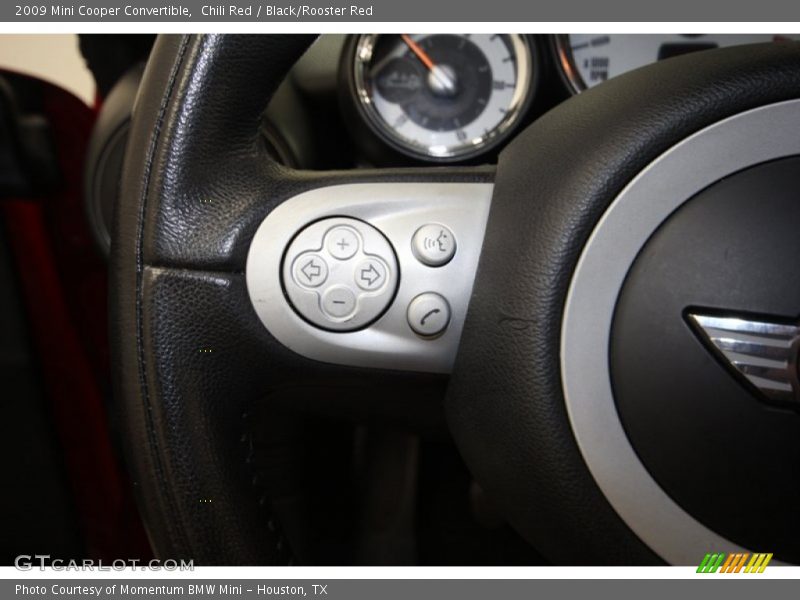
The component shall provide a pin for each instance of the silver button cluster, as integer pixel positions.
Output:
(340, 273)
(372, 275)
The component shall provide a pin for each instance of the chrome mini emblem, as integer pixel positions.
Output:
(764, 352)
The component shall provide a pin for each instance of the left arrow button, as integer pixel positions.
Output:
(310, 270)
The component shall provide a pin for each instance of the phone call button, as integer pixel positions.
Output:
(428, 314)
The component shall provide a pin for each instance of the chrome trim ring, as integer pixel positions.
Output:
(749, 138)
(566, 63)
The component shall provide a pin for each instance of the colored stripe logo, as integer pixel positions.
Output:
(734, 563)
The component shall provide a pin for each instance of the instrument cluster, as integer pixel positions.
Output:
(448, 98)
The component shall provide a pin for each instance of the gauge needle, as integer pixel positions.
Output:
(417, 49)
(438, 73)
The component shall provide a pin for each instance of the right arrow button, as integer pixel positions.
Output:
(370, 274)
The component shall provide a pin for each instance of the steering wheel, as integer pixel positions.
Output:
(570, 315)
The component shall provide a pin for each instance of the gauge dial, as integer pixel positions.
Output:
(445, 96)
(587, 60)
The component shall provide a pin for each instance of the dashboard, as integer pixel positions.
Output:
(399, 99)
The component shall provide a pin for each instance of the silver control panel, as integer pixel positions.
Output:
(371, 275)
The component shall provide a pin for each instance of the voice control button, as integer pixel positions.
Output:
(433, 245)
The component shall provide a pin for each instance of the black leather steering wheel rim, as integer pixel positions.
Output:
(172, 491)
(191, 357)
(506, 405)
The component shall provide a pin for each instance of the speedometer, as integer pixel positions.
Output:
(587, 60)
(443, 96)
